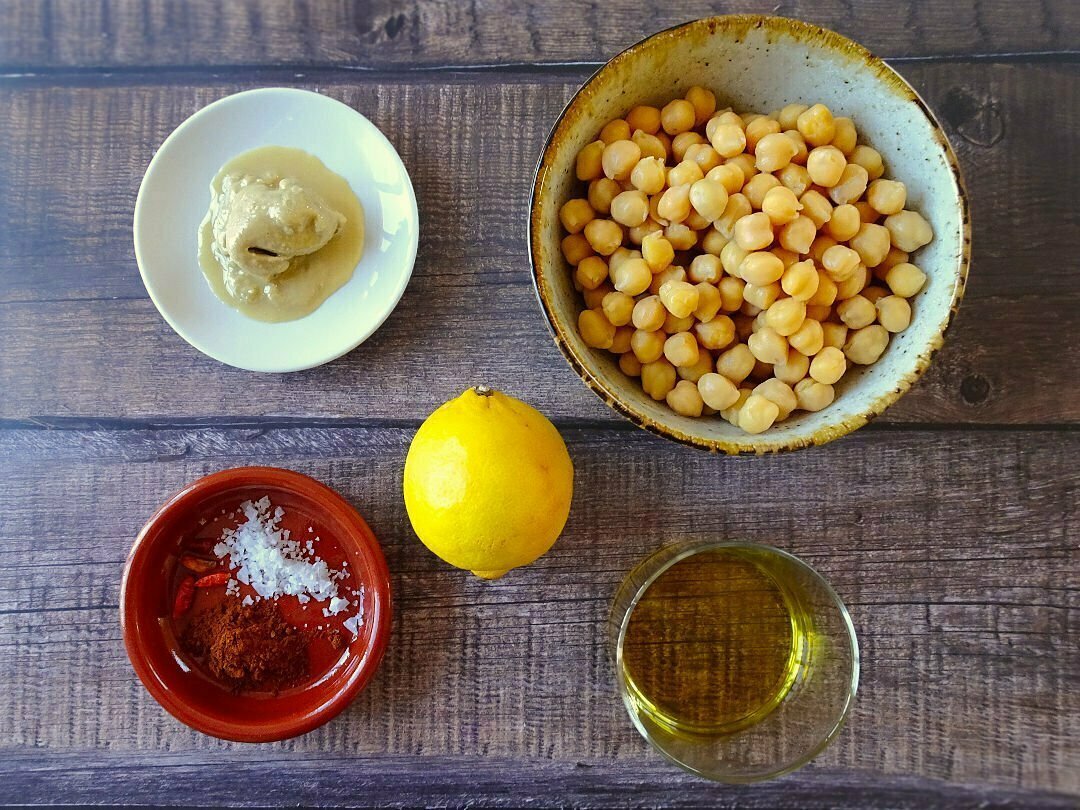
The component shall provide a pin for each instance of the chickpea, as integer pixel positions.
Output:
(854, 284)
(576, 214)
(647, 347)
(694, 371)
(716, 333)
(594, 299)
(768, 345)
(808, 340)
(617, 307)
(801, 151)
(758, 414)
(758, 314)
(657, 251)
(785, 316)
(834, 335)
(761, 268)
(737, 207)
(631, 208)
(601, 192)
(728, 140)
(864, 346)
(839, 262)
(894, 313)
(648, 175)
(905, 279)
(736, 363)
(632, 277)
(650, 145)
(826, 292)
(874, 294)
(828, 365)
(851, 186)
(816, 207)
(846, 135)
(887, 196)
(670, 273)
(754, 232)
(576, 247)
(892, 258)
(708, 302)
(866, 212)
(604, 236)
(794, 368)
(591, 272)
(811, 395)
(685, 399)
(732, 414)
(674, 204)
(679, 297)
(731, 292)
(816, 125)
(704, 156)
(869, 159)
(677, 116)
(729, 175)
(713, 242)
(615, 130)
(705, 267)
(695, 221)
(745, 164)
(845, 222)
(717, 391)
(620, 157)
(800, 280)
(789, 115)
(856, 312)
(779, 393)
(595, 329)
(649, 313)
(681, 349)
(794, 177)
(709, 198)
(760, 297)
(630, 365)
(721, 118)
(620, 344)
(757, 130)
(774, 151)
(681, 236)
(731, 257)
(871, 243)
(786, 256)
(665, 141)
(658, 378)
(620, 255)
(683, 141)
(826, 165)
(781, 205)
(757, 187)
(644, 118)
(909, 230)
(819, 313)
(798, 235)
(821, 243)
(687, 172)
(589, 165)
(638, 233)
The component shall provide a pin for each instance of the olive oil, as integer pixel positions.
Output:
(715, 643)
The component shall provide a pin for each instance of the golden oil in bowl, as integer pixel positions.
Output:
(735, 660)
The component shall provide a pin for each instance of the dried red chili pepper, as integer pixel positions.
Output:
(212, 580)
(185, 594)
(197, 565)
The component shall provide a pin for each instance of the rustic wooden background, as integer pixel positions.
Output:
(950, 526)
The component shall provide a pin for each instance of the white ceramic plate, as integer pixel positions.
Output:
(175, 194)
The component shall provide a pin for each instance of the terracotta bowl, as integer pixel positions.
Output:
(146, 600)
(762, 63)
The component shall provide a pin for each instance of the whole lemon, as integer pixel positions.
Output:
(488, 483)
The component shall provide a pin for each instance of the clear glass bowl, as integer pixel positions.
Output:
(791, 718)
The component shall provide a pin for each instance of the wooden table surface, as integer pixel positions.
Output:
(949, 526)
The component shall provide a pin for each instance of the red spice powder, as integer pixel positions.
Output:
(247, 647)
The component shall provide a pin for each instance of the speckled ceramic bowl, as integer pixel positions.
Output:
(760, 64)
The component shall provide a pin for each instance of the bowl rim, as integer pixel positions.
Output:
(835, 42)
(269, 728)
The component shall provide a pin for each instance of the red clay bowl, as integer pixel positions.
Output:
(146, 602)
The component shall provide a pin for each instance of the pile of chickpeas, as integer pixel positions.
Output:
(739, 263)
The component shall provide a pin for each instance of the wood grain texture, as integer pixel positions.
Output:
(385, 781)
(426, 33)
(955, 551)
(69, 284)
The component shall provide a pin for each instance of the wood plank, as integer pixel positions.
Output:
(425, 33)
(443, 781)
(955, 552)
(66, 254)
